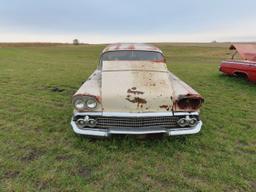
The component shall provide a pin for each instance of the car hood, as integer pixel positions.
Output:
(142, 86)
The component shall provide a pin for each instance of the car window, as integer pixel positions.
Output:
(132, 55)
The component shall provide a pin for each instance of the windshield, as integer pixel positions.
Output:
(132, 55)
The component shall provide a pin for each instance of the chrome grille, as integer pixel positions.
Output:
(135, 122)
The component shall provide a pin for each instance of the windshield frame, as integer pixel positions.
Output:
(100, 61)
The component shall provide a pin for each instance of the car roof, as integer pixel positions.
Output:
(131, 46)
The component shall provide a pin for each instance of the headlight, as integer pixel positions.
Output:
(79, 104)
(192, 122)
(84, 102)
(182, 122)
(190, 102)
(91, 103)
(187, 121)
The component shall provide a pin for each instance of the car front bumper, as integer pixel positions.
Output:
(136, 131)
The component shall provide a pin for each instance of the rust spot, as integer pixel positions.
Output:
(165, 107)
(141, 106)
(118, 46)
(138, 100)
(134, 88)
(97, 97)
(190, 101)
(146, 108)
(131, 47)
(150, 84)
(133, 91)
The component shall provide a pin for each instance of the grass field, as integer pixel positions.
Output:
(39, 152)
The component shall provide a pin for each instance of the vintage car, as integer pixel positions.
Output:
(242, 64)
(132, 92)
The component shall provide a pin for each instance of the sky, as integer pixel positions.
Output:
(108, 21)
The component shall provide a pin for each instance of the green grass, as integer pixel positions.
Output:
(39, 151)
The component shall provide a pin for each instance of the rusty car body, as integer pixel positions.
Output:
(132, 92)
(244, 65)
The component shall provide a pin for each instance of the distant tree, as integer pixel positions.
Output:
(75, 42)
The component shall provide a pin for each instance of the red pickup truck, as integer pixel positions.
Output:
(244, 65)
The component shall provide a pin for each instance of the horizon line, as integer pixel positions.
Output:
(62, 42)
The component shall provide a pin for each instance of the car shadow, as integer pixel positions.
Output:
(240, 79)
(136, 140)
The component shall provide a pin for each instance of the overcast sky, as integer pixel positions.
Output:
(103, 21)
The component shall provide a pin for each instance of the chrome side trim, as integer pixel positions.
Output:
(185, 113)
(108, 132)
(108, 70)
(89, 131)
(187, 131)
(125, 114)
(250, 63)
(76, 113)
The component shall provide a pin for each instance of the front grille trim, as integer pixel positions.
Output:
(108, 122)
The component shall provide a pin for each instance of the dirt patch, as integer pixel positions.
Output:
(84, 172)
(32, 154)
(62, 157)
(247, 151)
(57, 89)
(245, 147)
(253, 185)
(42, 185)
(242, 143)
(10, 174)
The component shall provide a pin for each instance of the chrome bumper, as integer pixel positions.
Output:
(132, 131)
